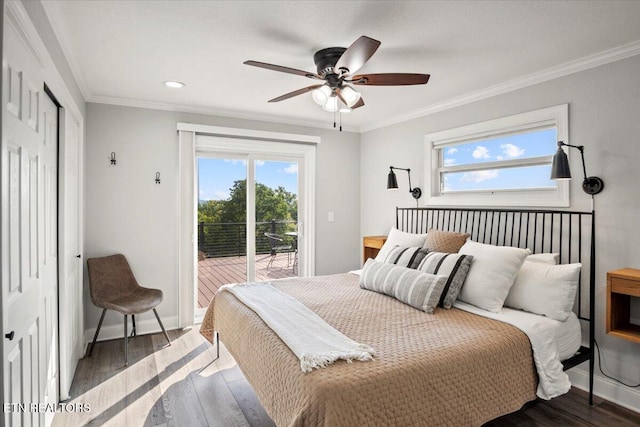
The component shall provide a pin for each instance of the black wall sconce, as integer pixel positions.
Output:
(113, 158)
(157, 177)
(560, 170)
(392, 182)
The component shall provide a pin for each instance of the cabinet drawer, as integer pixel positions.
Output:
(625, 286)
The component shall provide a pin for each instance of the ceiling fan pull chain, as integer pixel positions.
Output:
(340, 116)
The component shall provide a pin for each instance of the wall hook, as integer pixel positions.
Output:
(157, 177)
(113, 158)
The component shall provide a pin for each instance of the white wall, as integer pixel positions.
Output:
(127, 212)
(604, 116)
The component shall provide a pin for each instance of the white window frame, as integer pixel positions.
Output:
(553, 117)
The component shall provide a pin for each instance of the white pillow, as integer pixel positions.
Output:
(493, 271)
(545, 289)
(399, 238)
(545, 258)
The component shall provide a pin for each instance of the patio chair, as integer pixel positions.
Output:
(278, 245)
(113, 286)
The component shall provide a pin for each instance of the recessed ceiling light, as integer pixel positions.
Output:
(173, 84)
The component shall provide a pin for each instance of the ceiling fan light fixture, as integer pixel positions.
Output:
(331, 105)
(350, 95)
(345, 109)
(321, 95)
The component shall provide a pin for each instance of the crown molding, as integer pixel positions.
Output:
(179, 108)
(18, 17)
(52, 10)
(571, 67)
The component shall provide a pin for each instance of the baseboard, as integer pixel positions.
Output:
(143, 327)
(607, 389)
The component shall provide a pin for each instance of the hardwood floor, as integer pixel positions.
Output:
(163, 386)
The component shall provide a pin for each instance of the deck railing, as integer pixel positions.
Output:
(225, 239)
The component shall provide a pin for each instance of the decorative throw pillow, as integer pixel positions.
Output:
(454, 266)
(492, 273)
(399, 238)
(445, 241)
(545, 289)
(406, 257)
(419, 290)
(545, 258)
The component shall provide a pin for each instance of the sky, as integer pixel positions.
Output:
(533, 144)
(216, 176)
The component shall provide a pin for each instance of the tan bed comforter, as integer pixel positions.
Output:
(449, 368)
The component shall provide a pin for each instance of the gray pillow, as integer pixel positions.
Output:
(419, 290)
(454, 266)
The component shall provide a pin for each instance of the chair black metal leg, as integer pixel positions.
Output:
(126, 342)
(95, 337)
(270, 261)
(133, 322)
(162, 326)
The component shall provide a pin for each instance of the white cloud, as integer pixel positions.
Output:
(512, 151)
(479, 176)
(452, 150)
(499, 158)
(235, 161)
(259, 162)
(292, 168)
(215, 195)
(481, 153)
(449, 162)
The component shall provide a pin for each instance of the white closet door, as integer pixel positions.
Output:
(29, 234)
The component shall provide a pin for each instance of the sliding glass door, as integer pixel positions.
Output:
(276, 219)
(247, 220)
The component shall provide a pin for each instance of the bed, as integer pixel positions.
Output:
(450, 368)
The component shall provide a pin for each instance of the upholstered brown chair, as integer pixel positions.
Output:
(113, 287)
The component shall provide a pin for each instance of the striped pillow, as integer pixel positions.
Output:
(404, 256)
(454, 266)
(419, 290)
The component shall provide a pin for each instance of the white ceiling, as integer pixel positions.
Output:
(122, 51)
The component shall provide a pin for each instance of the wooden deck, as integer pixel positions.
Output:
(215, 272)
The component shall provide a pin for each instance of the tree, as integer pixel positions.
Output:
(279, 204)
(210, 211)
(218, 237)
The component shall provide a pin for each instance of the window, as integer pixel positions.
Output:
(503, 162)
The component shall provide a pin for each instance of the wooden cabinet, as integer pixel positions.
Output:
(371, 246)
(622, 285)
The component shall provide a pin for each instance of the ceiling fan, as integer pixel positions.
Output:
(337, 67)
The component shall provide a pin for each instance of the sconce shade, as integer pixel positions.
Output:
(392, 182)
(560, 170)
(560, 166)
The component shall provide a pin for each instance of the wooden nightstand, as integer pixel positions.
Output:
(622, 285)
(371, 246)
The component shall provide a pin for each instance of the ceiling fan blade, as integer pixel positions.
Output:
(358, 104)
(295, 93)
(390, 79)
(283, 69)
(356, 55)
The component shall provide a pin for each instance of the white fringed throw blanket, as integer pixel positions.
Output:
(315, 342)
